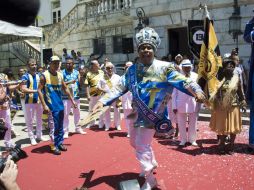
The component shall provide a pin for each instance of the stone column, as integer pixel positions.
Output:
(130, 3)
(105, 6)
(117, 5)
(110, 5)
(102, 6)
(98, 8)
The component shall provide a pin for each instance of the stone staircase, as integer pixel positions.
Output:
(15, 55)
(80, 15)
(204, 114)
(25, 49)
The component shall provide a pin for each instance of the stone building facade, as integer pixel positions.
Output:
(93, 24)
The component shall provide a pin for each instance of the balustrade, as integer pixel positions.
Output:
(82, 11)
(26, 50)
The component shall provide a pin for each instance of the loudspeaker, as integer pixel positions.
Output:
(127, 45)
(47, 54)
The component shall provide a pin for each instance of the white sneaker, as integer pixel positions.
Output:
(88, 126)
(194, 143)
(41, 139)
(33, 142)
(128, 136)
(150, 183)
(118, 128)
(155, 165)
(66, 136)
(106, 129)
(80, 131)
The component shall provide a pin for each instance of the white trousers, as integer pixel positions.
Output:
(172, 116)
(67, 110)
(22, 101)
(117, 117)
(93, 101)
(6, 115)
(33, 110)
(127, 121)
(141, 139)
(182, 121)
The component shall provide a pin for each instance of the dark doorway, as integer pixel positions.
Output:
(178, 42)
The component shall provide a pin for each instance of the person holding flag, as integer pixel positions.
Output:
(210, 59)
(226, 116)
(222, 87)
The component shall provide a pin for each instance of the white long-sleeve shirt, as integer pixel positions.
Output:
(102, 84)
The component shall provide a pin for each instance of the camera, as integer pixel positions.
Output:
(15, 153)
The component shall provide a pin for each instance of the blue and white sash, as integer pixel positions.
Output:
(161, 124)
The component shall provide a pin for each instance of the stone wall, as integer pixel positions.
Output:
(9, 60)
(163, 15)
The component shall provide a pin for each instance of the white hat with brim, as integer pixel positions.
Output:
(186, 63)
(179, 55)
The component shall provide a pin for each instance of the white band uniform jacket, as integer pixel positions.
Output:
(183, 102)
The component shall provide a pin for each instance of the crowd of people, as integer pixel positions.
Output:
(55, 92)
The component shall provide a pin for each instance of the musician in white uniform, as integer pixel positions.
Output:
(5, 113)
(106, 84)
(185, 107)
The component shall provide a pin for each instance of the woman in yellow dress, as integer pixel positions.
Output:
(226, 115)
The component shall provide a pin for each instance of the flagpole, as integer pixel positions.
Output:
(206, 12)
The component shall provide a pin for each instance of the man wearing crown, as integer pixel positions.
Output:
(150, 81)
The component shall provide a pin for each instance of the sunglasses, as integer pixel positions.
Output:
(108, 68)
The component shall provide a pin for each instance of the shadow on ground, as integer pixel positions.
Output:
(23, 141)
(111, 180)
(117, 134)
(45, 149)
(19, 124)
(202, 148)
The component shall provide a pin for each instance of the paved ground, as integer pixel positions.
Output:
(21, 129)
(203, 163)
(22, 138)
(101, 160)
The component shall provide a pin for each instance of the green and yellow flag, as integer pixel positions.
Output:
(210, 61)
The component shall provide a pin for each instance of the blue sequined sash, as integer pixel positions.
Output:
(161, 124)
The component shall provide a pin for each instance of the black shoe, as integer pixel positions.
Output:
(62, 148)
(56, 152)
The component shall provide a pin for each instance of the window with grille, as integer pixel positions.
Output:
(117, 44)
(99, 46)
